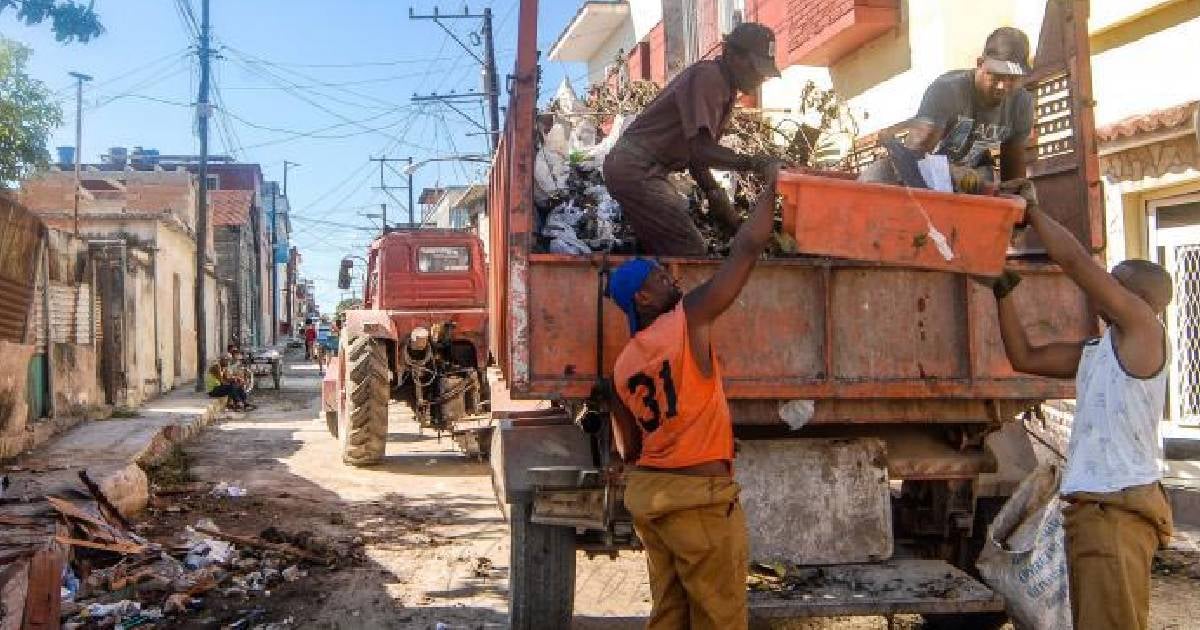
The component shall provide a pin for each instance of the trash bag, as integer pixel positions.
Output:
(1024, 558)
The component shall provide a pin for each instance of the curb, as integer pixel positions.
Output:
(129, 488)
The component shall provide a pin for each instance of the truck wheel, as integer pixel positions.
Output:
(363, 427)
(542, 572)
(331, 422)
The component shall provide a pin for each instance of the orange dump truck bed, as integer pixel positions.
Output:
(868, 341)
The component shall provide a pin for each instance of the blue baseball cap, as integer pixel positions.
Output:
(625, 281)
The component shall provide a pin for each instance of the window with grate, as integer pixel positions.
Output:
(1187, 350)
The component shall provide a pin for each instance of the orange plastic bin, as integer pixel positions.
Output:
(911, 227)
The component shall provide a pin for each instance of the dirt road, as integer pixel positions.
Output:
(431, 545)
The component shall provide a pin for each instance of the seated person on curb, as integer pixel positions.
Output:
(681, 129)
(671, 418)
(968, 115)
(1117, 513)
(220, 383)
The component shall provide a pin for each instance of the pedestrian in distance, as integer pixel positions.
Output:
(310, 341)
(221, 382)
(1117, 512)
(679, 130)
(672, 423)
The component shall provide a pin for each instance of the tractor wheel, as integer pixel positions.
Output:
(542, 580)
(363, 422)
(331, 422)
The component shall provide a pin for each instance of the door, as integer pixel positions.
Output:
(1174, 230)
(176, 332)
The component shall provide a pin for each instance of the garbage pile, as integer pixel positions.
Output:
(115, 578)
(577, 216)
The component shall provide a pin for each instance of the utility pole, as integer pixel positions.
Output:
(491, 86)
(79, 79)
(411, 207)
(203, 111)
(383, 160)
(286, 164)
(383, 216)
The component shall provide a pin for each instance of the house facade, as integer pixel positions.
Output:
(140, 227)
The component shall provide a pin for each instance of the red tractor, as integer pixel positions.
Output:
(420, 336)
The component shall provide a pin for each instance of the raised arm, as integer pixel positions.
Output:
(705, 303)
(1056, 360)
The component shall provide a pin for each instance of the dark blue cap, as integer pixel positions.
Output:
(624, 282)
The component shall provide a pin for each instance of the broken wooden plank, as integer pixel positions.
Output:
(120, 547)
(44, 598)
(258, 543)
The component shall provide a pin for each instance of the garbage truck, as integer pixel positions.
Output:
(879, 424)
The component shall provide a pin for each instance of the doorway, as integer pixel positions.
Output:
(1174, 231)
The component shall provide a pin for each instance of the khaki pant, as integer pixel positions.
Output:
(653, 206)
(697, 550)
(1111, 539)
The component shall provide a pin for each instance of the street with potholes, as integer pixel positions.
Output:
(420, 539)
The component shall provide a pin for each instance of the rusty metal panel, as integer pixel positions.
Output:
(898, 324)
(810, 329)
(1062, 158)
(21, 235)
(816, 501)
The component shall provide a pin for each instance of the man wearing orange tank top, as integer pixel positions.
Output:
(672, 421)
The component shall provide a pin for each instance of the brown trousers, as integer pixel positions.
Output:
(653, 206)
(697, 550)
(1111, 538)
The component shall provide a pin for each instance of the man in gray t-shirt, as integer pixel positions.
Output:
(972, 115)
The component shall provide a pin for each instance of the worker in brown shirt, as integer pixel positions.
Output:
(679, 130)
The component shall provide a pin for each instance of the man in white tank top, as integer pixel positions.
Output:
(1117, 513)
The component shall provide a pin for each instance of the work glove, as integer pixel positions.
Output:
(966, 179)
(1005, 284)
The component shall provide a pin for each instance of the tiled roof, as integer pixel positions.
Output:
(230, 207)
(1148, 122)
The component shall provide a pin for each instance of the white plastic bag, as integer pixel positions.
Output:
(1025, 556)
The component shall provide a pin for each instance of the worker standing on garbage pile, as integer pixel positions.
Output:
(970, 115)
(671, 417)
(679, 130)
(1117, 513)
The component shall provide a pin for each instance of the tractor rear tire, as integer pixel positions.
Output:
(362, 427)
(331, 422)
(542, 580)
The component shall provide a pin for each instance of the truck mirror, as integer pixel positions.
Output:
(344, 274)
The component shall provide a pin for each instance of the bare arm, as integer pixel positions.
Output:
(627, 436)
(705, 303)
(1012, 160)
(923, 136)
(1140, 343)
(707, 153)
(1056, 360)
(704, 177)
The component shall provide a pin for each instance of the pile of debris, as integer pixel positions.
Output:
(86, 566)
(575, 213)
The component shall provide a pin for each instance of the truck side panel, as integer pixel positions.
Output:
(805, 329)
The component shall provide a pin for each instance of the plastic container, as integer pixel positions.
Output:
(895, 225)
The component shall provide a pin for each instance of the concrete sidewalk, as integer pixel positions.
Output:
(113, 452)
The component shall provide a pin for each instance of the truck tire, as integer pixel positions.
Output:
(362, 426)
(542, 573)
(331, 422)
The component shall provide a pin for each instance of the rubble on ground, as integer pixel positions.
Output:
(577, 216)
(116, 577)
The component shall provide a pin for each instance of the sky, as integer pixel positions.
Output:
(323, 84)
